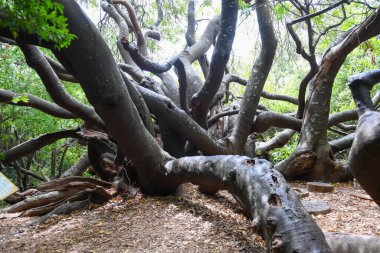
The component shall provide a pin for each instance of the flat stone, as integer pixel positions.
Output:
(316, 207)
(319, 187)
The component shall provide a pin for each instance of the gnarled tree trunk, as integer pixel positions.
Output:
(313, 158)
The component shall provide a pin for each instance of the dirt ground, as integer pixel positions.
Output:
(190, 223)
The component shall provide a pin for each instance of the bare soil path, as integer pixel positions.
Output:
(191, 223)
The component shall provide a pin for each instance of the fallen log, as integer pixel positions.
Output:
(277, 213)
(352, 243)
(53, 194)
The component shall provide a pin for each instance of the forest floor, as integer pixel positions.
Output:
(190, 223)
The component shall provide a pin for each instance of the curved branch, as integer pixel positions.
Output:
(38, 103)
(340, 117)
(215, 118)
(156, 35)
(266, 119)
(180, 122)
(145, 63)
(208, 37)
(123, 28)
(259, 74)
(190, 36)
(279, 97)
(276, 142)
(227, 79)
(200, 102)
(264, 194)
(141, 42)
(342, 143)
(360, 86)
(160, 15)
(35, 144)
(182, 80)
(38, 62)
(307, 17)
(60, 71)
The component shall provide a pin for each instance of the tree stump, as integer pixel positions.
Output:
(319, 187)
(316, 207)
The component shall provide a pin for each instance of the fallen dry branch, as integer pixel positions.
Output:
(52, 195)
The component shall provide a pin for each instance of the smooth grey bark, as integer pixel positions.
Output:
(352, 243)
(108, 94)
(342, 143)
(38, 62)
(364, 159)
(35, 144)
(37, 103)
(200, 101)
(258, 76)
(181, 122)
(123, 29)
(276, 142)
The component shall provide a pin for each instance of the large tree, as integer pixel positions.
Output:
(164, 134)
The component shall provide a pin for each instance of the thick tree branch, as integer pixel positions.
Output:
(216, 117)
(33, 145)
(342, 143)
(182, 80)
(190, 36)
(141, 42)
(360, 86)
(276, 142)
(200, 102)
(263, 192)
(123, 29)
(38, 62)
(259, 74)
(107, 92)
(145, 63)
(266, 119)
(180, 122)
(38, 103)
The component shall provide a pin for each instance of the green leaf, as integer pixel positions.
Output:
(16, 99)
(24, 98)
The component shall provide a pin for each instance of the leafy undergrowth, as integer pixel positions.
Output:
(190, 223)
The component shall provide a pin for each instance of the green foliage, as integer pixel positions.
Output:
(22, 98)
(27, 122)
(281, 10)
(279, 154)
(207, 3)
(43, 18)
